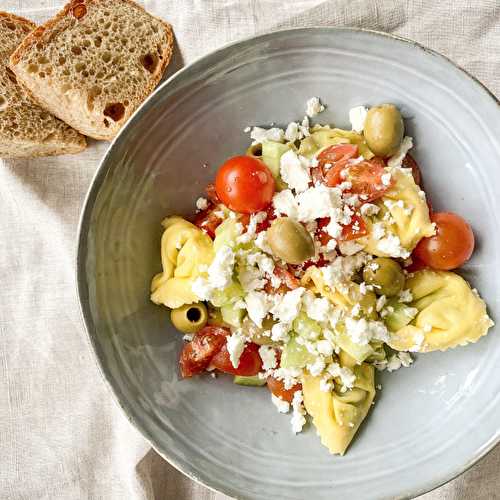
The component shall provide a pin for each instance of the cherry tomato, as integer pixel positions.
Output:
(250, 363)
(197, 354)
(365, 177)
(356, 229)
(277, 387)
(287, 277)
(245, 184)
(338, 152)
(451, 246)
(416, 264)
(409, 162)
(207, 221)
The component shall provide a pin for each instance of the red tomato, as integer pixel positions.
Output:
(365, 177)
(197, 354)
(450, 247)
(277, 387)
(287, 277)
(356, 229)
(416, 264)
(207, 221)
(336, 153)
(409, 162)
(245, 184)
(250, 363)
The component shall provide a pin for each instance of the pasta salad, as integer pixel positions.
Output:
(315, 260)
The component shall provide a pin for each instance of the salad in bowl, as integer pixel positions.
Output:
(314, 261)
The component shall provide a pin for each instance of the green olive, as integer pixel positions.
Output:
(384, 129)
(385, 275)
(255, 150)
(189, 318)
(290, 241)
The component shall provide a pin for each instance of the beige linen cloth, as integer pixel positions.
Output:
(61, 434)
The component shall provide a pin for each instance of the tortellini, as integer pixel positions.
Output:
(403, 213)
(338, 415)
(185, 250)
(326, 136)
(450, 314)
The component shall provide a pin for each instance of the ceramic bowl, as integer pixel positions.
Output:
(432, 420)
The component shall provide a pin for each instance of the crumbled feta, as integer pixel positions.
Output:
(294, 171)
(396, 361)
(362, 331)
(283, 406)
(357, 117)
(419, 340)
(279, 332)
(287, 306)
(397, 159)
(235, 344)
(342, 269)
(381, 303)
(268, 356)
(427, 328)
(347, 377)
(378, 231)
(220, 271)
(250, 278)
(362, 288)
(250, 233)
(258, 306)
(316, 368)
(369, 209)
(201, 203)
(356, 310)
(325, 384)
(325, 347)
(304, 127)
(262, 243)
(289, 376)
(201, 288)
(292, 132)
(406, 296)
(318, 201)
(260, 135)
(391, 245)
(298, 412)
(386, 179)
(317, 309)
(349, 247)
(314, 107)
(285, 203)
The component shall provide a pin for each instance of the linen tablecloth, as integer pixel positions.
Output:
(61, 434)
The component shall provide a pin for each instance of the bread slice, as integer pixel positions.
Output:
(26, 130)
(94, 63)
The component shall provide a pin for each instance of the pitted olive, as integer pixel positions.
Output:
(290, 241)
(384, 129)
(189, 318)
(385, 275)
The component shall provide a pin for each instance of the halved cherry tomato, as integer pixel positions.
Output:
(416, 264)
(287, 277)
(451, 246)
(365, 177)
(207, 221)
(250, 362)
(356, 229)
(277, 387)
(409, 162)
(321, 262)
(245, 184)
(197, 354)
(338, 152)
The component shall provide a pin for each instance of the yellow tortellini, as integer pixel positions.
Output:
(326, 136)
(336, 415)
(409, 213)
(450, 313)
(184, 248)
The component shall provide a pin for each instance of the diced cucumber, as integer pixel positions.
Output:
(225, 234)
(295, 355)
(223, 297)
(253, 381)
(271, 155)
(306, 327)
(401, 315)
(356, 351)
(232, 315)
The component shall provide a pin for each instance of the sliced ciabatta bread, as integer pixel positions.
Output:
(26, 130)
(94, 63)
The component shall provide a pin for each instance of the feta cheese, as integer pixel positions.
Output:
(220, 271)
(287, 306)
(326, 384)
(279, 332)
(318, 201)
(363, 331)
(357, 117)
(419, 340)
(397, 159)
(314, 107)
(260, 135)
(317, 309)
(380, 303)
(396, 361)
(346, 376)
(386, 179)
(285, 203)
(324, 347)
(283, 406)
(202, 289)
(235, 344)
(391, 245)
(298, 412)
(378, 231)
(258, 306)
(262, 243)
(250, 278)
(289, 376)
(250, 233)
(317, 367)
(405, 296)
(268, 356)
(201, 203)
(427, 328)
(369, 209)
(304, 127)
(294, 171)
(349, 247)
(292, 132)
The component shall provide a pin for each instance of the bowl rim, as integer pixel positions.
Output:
(93, 191)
